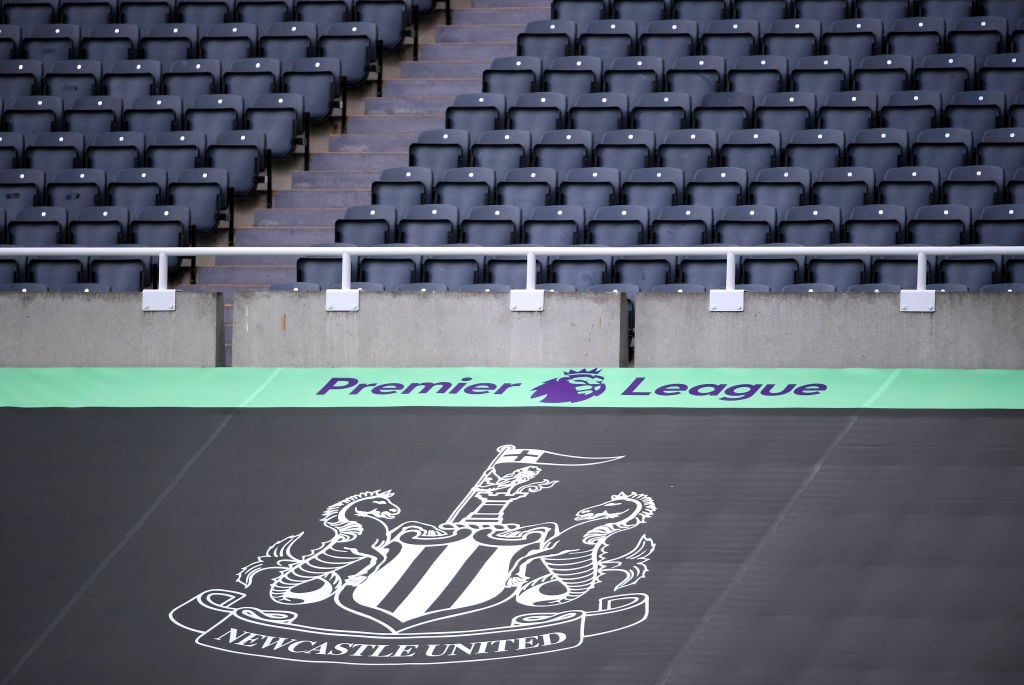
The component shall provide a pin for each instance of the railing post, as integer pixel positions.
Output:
(161, 273)
(161, 299)
(730, 299)
(529, 299)
(920, 299)
(343, 299)
(346, 271)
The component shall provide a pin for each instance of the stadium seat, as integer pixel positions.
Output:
(745, 225)
(491, 225)
(402, 187)
(876, 225)
(940, 225)
(242, 153)
(573, 76)
(547, 39)
(527, 187)
(429, 224)
(367, 225)
(880, 149)
(669, 39)
(554, 225)
(781, 187)
(810, 225)
(844, 187)
(316, 80)
(792, 38)
(618, 225)
(717, 187)
(475, 113)
(537, 112)
(227, 42)
(653, 187)
(512, 76)
(465, 187)
(682, 225)
(168, 43)
(205, 192)
(661, 113)
(563, 150)
(74, 189)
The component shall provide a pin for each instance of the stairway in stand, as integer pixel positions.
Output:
(380, 129)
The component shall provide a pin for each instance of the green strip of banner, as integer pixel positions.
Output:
(512, 387)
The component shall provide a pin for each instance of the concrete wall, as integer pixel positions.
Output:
(403, 329)
(109, 329)
(967, 330)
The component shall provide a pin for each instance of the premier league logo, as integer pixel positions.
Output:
(571, 386)
(408, 578)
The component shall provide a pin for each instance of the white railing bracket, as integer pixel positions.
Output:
(725, 301)
(342, 300)
(156, 300)
(917, 300)
(526, 300)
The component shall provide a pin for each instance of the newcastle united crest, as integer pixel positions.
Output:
(422, 592)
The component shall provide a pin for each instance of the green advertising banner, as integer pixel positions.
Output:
(514, 387)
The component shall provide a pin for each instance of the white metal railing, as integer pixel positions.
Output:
(531, 298)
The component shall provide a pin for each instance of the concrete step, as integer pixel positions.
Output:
(518, 4)
(346, 160)
(251, 275)
(438, 69)
(499, 15)
(304, 218)
(413, 103)
(476, 51)
(250, 260)
(227, 291)
(470, 35)
(413, 123)
(313, 180)
(298, 199)
(273, 236)
(432, 88)
(369, 142)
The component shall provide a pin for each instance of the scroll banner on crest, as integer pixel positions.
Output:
(225, 625)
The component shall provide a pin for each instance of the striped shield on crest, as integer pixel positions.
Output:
(433, 576)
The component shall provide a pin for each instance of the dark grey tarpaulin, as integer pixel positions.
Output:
(787, 546)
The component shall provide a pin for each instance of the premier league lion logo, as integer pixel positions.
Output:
(571, 386)
(401, 576)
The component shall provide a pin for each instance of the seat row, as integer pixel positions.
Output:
(27, 196)
(632, 275)
(354, 43)
(977, 187)
(705, 11)
(792, 38)
(26, 15)
(34, 137)
(757, 77)
(788, 113)
(688, 150)
(681, 225)
(155, 225)
(315, 79)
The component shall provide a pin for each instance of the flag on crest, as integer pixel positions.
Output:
(512, 455)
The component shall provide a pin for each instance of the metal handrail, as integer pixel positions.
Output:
(531, 252)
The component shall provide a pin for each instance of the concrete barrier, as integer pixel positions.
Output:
(407, 329)
(831, 330)
(109, 329)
